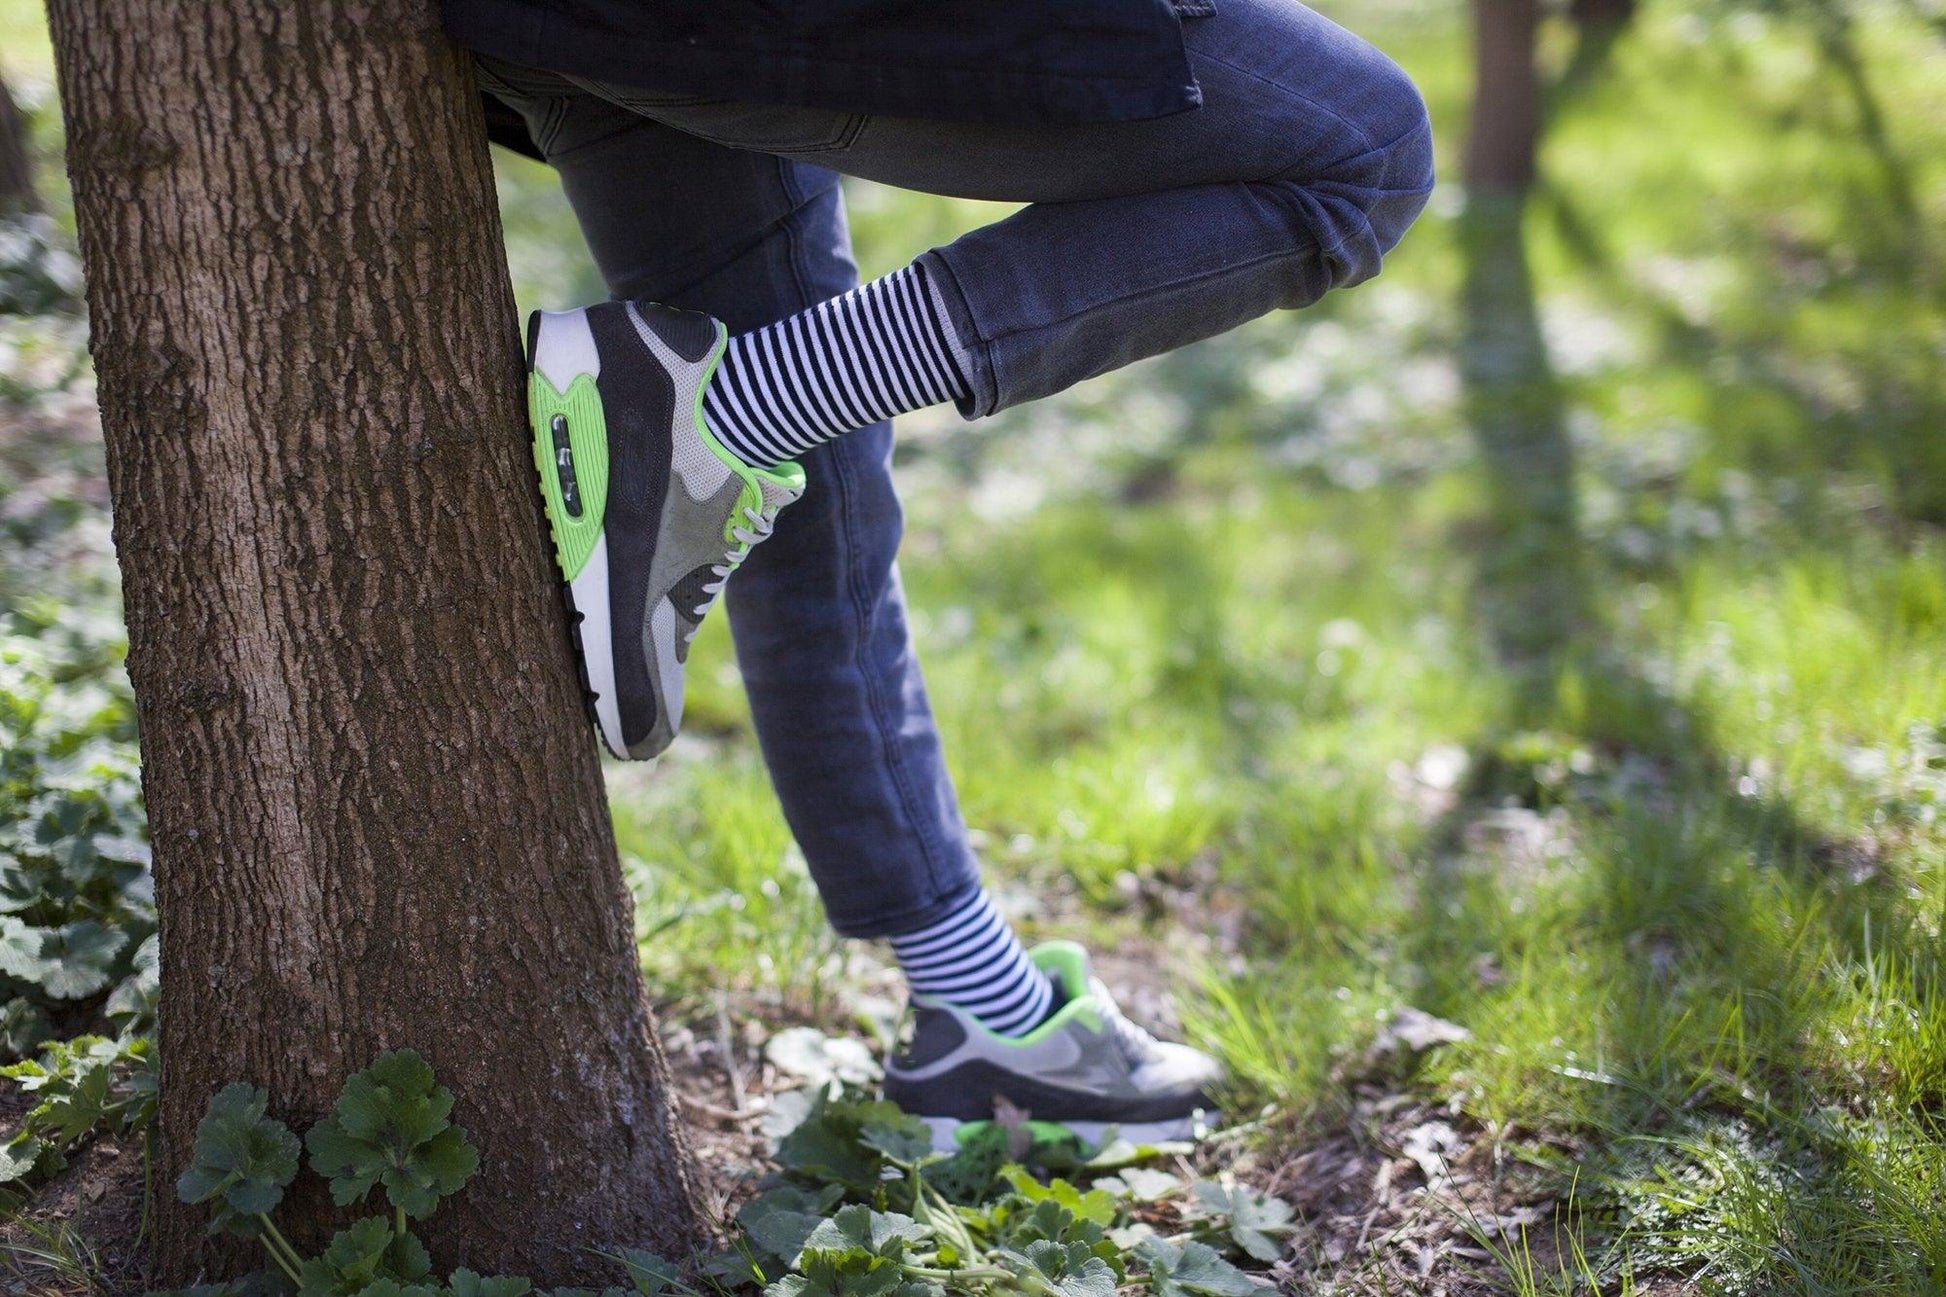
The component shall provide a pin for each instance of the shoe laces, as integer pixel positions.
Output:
(1131, 1039)
(756, 526)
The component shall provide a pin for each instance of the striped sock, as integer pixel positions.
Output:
(877, 351)
(973, 961)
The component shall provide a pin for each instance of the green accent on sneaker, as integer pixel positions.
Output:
(789, 475)
(1066, 964)
(1040, 1132)
(575, 530)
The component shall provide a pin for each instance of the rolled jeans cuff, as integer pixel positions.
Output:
(974, 355)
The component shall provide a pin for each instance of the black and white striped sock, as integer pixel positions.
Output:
(881, 349)
(973, 961)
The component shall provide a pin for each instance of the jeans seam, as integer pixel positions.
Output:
(875, 697)
(1159, 289)
(854, 579)
(1282, 88)
(1376, 150)
(794, 199)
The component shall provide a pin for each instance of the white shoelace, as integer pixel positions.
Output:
(1132, 1039)
(761, 522)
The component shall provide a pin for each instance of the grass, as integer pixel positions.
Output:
(1220, 684)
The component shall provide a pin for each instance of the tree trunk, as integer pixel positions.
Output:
(1532, 589)
(377, 811)
(16, 163)
(1507, 109)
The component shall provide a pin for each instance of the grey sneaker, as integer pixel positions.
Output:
(650, 512)
(1085, 1069)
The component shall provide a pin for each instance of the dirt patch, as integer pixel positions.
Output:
(81, 1231)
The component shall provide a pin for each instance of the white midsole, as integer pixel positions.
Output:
(590, 590)
(945, 1129)
(564, 349)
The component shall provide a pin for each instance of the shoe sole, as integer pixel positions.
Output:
(948, 1133)
(560, 350)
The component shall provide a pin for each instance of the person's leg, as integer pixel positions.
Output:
(1308, 160)
(818, 615)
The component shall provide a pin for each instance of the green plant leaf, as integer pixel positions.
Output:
(1140, 1183)
(972, 1175)
(1192, 1269)
(18, 1157)
(1074, 1270)
(393, 1288)
(1094, 1205)
(848, 1274)
(651, 1275)
(241, 1162)
(1254, 1221)
(390, 1127)
(905, 1140)
(1053, 1222)
(23, 1026)
(781, 1219)
(67, 962)
(859, 1229)
(465, 1283)
(358, 1257)
(827, 1145)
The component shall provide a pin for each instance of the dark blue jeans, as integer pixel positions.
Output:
(1308, 160)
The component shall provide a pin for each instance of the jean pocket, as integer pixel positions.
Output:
(762, 128)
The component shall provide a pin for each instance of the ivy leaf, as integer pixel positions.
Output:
(465, 1283)
(241, 1162)
(358, 1257)
(1192, 1270)
(389, 1127)
(1255, 1221)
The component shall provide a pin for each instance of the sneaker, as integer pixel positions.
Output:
(1085, 1069)
(650, 513)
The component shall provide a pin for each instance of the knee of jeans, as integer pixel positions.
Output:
(1358, 208)
(1407, 184)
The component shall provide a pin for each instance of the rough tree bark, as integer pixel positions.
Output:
(377, 812)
